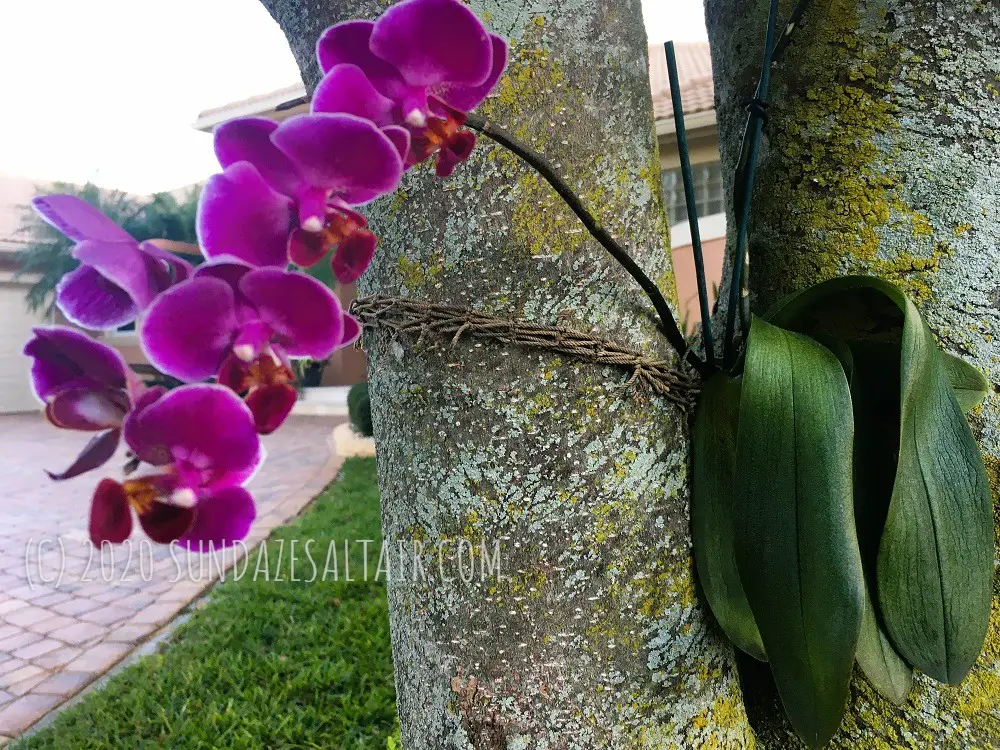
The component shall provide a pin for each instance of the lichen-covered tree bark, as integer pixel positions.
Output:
(882, 157)
(592, 636)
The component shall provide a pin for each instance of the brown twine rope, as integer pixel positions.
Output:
(406, 316)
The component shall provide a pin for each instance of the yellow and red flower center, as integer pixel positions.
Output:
(338, 228)
(307, 248)
(265, 370)
(441, 131)
(268, 370)
(140, 494)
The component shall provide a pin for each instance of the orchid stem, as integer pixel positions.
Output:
(599, 233)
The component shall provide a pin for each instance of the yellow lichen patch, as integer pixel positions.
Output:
(415, 274)
(834, 190)
(728, 711)
(978, 698)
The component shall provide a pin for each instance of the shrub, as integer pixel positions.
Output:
(359, 407)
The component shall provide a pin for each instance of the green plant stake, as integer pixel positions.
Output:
(796, 547)
(712, 507)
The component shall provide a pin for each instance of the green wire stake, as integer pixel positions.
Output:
(744, 184)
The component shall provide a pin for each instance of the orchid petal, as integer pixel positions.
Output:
(306, 249)
(78, 219)
(249, 139)
(252, 340)
(97, 452)
(208, 432)
(65, 358)
(346, 90)
(190, 327)
(342, 153)
(271, 405)
(235, 374)
(229, 270)
(400, 138)
(222, 518)
(89, 300)
(347, 43)
(178, 269)
(303, 314)
(123, 265)
(154, 454)
(165, 522)
(353, 256)
(241, 216)
(352, 330)
(459, 149)
(110, 517)
(86, 409)
(434, 41)
(467, 98)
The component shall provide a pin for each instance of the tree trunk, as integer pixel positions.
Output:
(882, 157)
(594, 636)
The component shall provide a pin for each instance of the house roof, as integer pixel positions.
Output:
(694, 69)
(15, 192)
(694, 73)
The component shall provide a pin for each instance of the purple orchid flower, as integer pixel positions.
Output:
(423, 65)
(118, 277)
(241, 324)
(203, 439)
(85, 386)
(288, 191)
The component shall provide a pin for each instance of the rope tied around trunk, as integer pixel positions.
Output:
(422, 319)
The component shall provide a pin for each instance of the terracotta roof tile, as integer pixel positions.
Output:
(694, 69)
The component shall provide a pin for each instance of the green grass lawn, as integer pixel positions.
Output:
(264, 664)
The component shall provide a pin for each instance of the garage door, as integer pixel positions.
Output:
(15, 329)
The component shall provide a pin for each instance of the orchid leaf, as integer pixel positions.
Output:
(712, 508)
(935, 556)
(840, 350)
(968, 381)
(935, 560)
(795, 541)
(875, 393)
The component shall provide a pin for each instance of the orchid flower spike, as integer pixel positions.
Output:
(118, 276)
(288, 191)
(203, 442)
(241, 324)
(423, 65)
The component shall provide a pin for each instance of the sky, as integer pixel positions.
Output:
(107, 90)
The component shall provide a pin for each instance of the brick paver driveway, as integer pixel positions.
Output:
(59, 634)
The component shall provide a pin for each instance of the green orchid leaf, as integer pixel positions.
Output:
(935, 556)
(882, 666)
(840, 350)
(968, 382)
(875, 393)
(935, 561)
(714, 461)
(796, 547)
